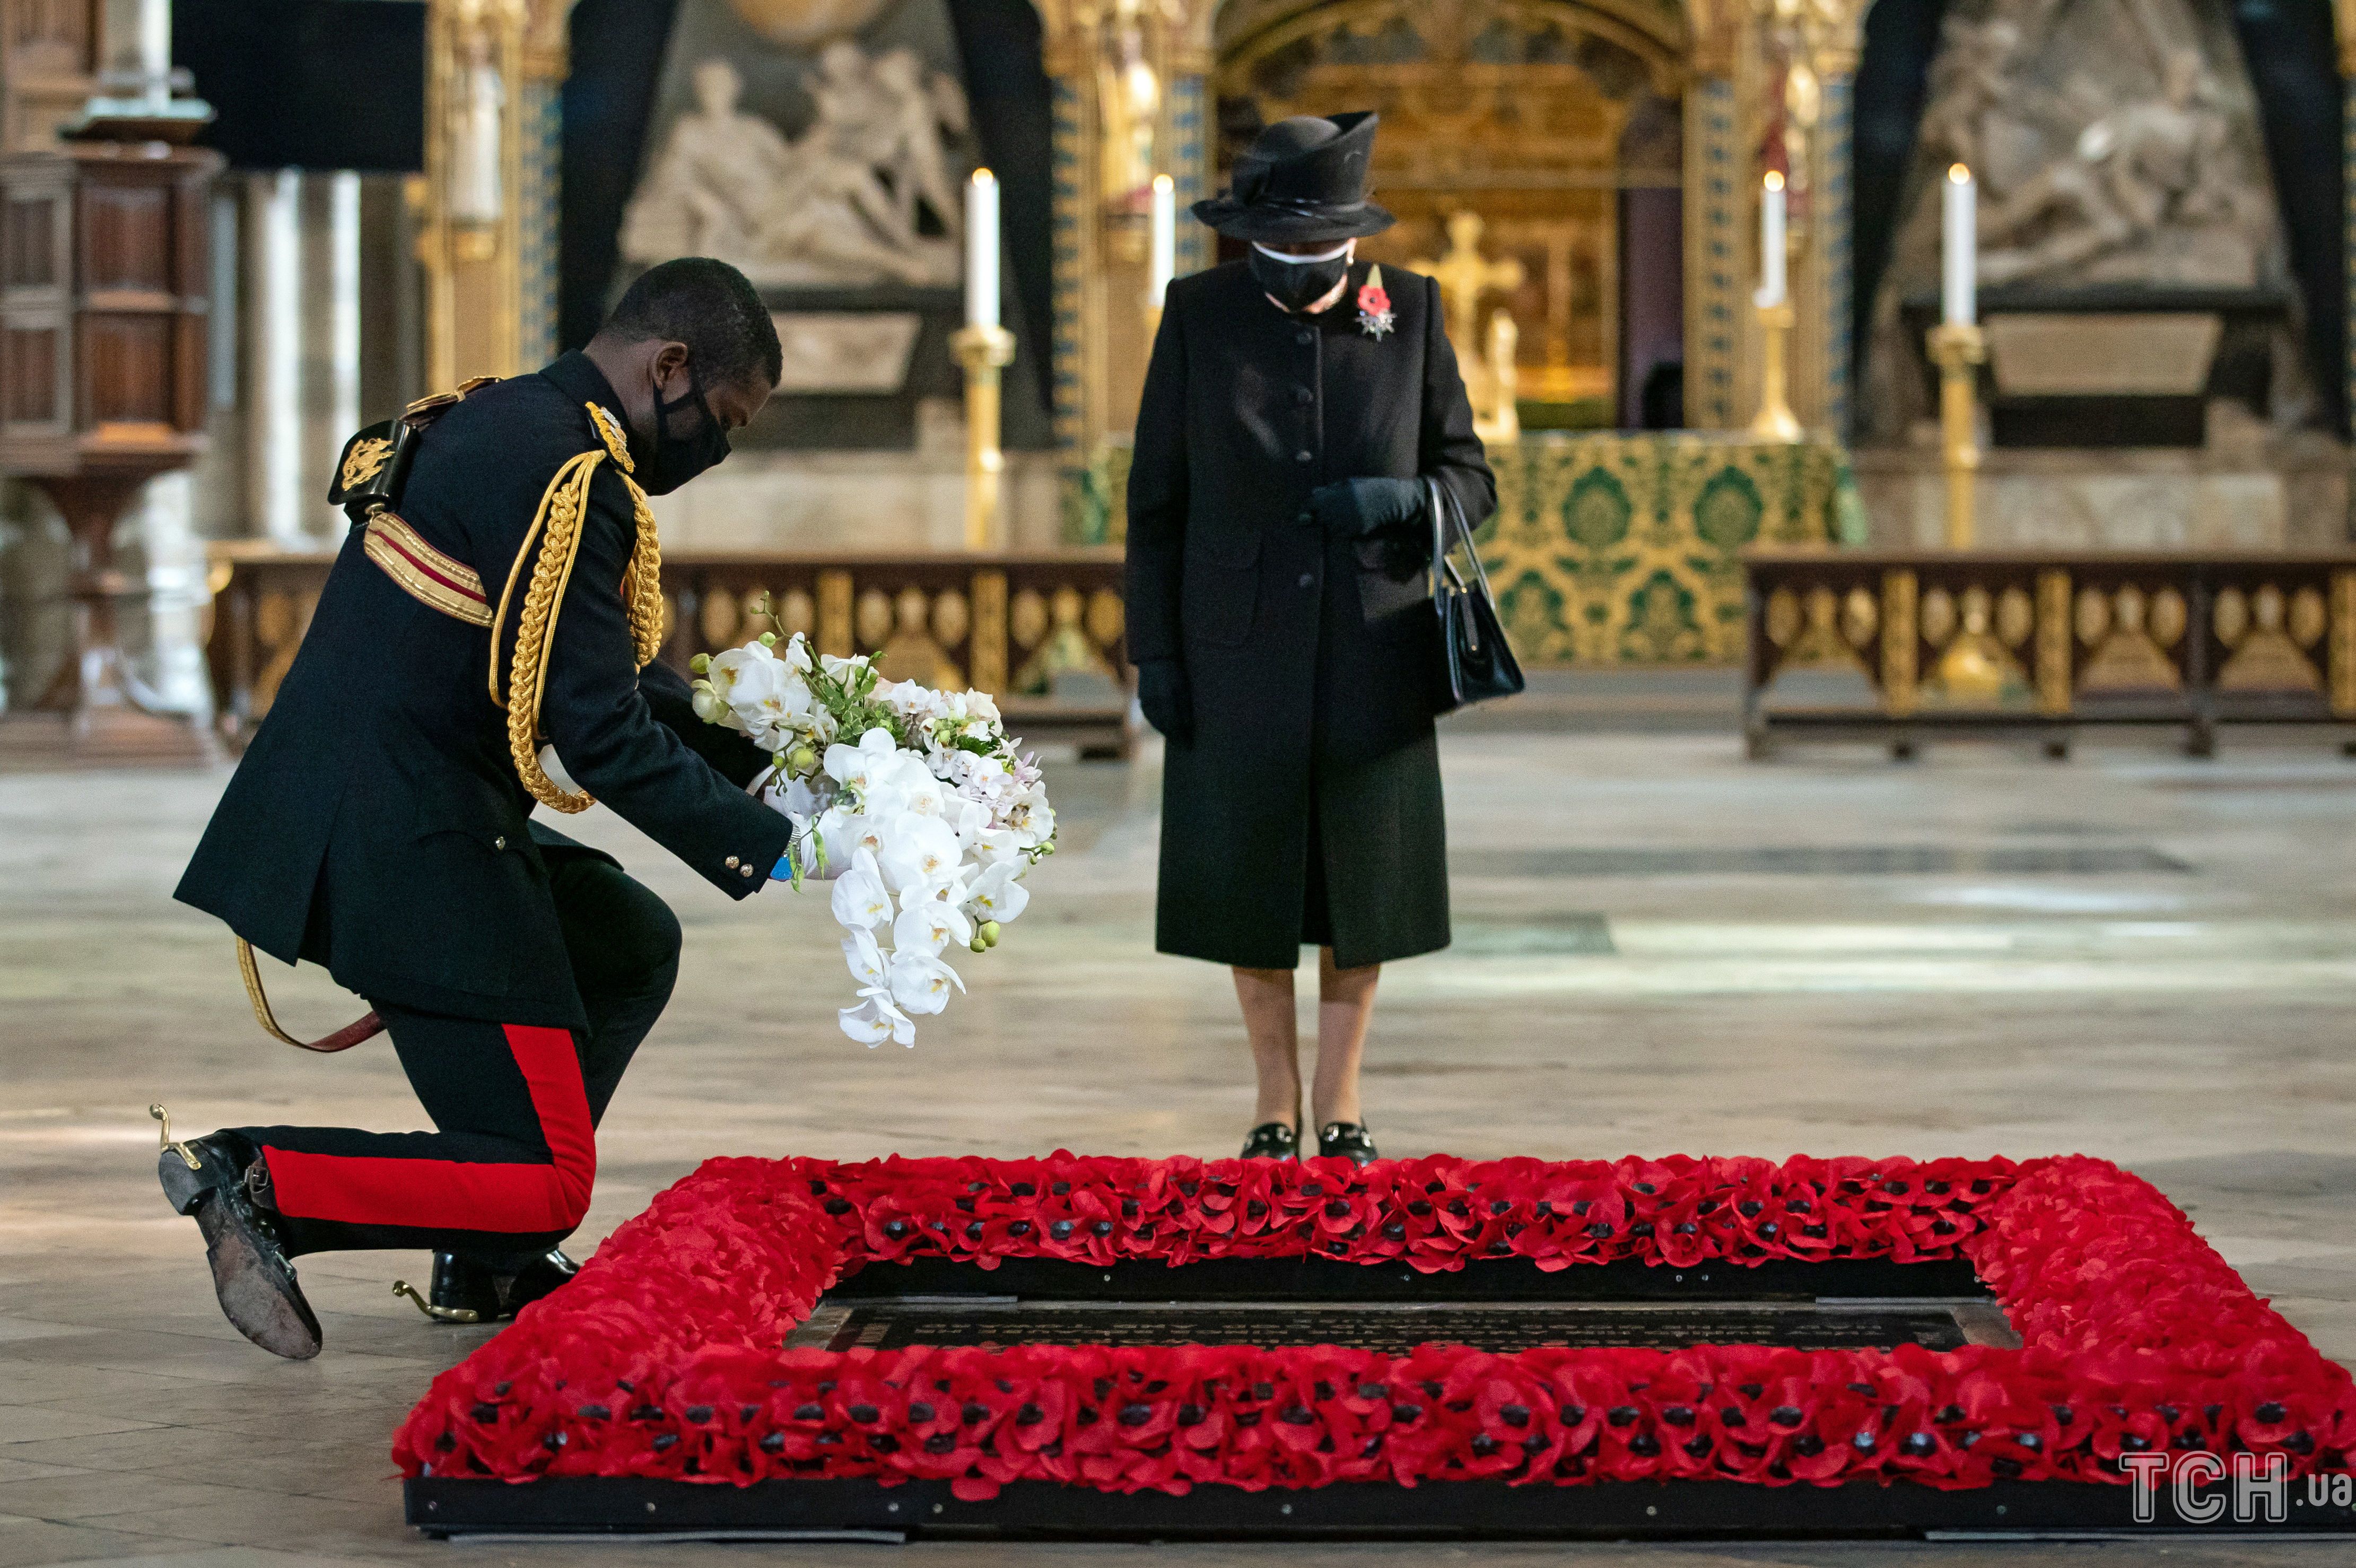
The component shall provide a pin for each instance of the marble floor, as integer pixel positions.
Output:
(1661, 947)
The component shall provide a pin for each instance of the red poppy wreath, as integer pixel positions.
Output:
(663, 1359)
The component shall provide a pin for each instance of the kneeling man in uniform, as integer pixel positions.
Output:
(498, 599)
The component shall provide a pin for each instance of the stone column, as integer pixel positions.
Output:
(273, 351)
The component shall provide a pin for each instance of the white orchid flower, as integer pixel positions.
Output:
(928, 925)
(921, 983)
(919, 853)
(875, 1020)
(998, 894)
(870, 965)
(847, 832)
(966, 818)
(859, 899)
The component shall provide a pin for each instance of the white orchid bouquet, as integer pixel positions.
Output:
(911, 801)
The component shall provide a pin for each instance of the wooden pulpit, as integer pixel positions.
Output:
(104, 265)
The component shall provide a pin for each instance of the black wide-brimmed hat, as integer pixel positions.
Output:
(1302, 179)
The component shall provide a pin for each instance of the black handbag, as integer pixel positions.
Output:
(1475, 661)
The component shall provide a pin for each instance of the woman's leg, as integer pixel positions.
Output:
(1266, 996)
(1345, 1002)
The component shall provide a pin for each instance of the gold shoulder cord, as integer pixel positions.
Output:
(557, 527)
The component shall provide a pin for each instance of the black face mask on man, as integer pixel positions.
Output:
(675, 459)
(1296, 282)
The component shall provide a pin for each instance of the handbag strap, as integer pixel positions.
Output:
(1447, 518)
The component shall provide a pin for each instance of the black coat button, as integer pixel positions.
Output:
(1309, 579)
(1303, 395)
(1304, 338)
(1304, 456)
(1305, 519)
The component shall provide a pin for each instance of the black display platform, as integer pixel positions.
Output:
(1872, 1291)
(1436, 1510)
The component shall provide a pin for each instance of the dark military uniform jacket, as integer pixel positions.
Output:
(377, 823)
(1311, 665)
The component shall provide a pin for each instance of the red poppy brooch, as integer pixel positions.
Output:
(1375, 316)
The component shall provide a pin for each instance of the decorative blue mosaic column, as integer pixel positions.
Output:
(1189, 168)
(1835, 219)
(541, 123)
(1717, 257)
(1069, 260)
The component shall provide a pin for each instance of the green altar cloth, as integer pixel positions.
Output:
(1624, 548)
(1611, 548)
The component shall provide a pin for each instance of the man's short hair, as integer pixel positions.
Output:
(713, 309)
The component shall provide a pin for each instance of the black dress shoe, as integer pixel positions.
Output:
(1346, 1140)
(478, 1290)
(1271, 1141)
(210, 1178)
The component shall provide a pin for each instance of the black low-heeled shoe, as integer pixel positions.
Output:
(1271, 1141)
(474, 1290)
(1348, 1141)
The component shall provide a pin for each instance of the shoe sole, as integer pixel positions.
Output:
(253, 1283)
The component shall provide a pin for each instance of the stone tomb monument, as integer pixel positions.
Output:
(824, 150)
(2146, 385)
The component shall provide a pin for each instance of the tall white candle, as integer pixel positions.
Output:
(981, 250)
(1165, 240)
(1960, 248)
(1772, 285)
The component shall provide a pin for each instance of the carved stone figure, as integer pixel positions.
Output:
(1968, 80)
(840, 204)
(2167, 161)
(910, 146)
(2115, 142)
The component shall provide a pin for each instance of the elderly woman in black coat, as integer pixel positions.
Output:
(1298, 408)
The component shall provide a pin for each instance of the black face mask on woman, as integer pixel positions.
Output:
(1297, 283)
(675, 459)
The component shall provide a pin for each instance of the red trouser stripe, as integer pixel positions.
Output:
(457, 1195)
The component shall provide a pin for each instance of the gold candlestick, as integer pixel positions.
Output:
(1776, 421)
(984, 351)
(1959, 349)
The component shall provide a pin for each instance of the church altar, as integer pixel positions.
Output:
(1626, 548)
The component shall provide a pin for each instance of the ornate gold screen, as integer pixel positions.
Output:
(1533, 113)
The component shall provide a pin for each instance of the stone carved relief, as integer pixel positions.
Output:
(2115, 142)
(844, 203)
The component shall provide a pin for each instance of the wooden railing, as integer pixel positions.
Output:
(1041, 632)
(1905, 643)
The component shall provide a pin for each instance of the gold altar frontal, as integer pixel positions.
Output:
(1613, 549)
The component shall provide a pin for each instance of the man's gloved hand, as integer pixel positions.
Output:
(1361, 509)
(1168, 702)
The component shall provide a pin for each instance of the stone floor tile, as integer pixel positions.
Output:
(35, 1543)
(22, 1423)
(94, 1494)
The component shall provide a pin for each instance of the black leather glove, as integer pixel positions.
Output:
(1362, 509)
(1168, 700)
